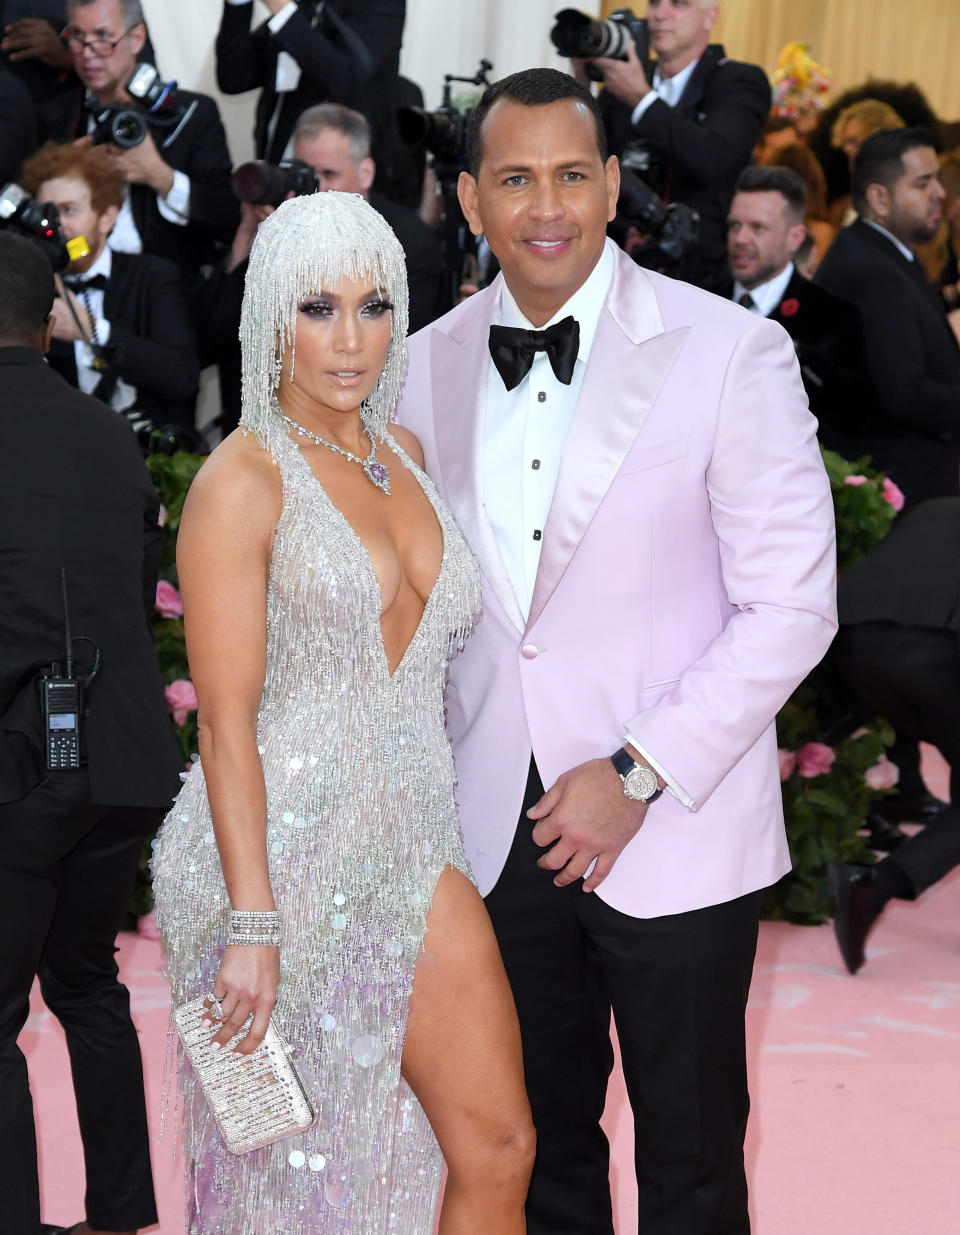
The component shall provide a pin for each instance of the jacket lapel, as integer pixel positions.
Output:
(459, 367)
(630, 339)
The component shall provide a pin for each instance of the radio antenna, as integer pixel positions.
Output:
(68, 645)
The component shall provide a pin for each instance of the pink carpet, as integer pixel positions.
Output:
(855, 1081)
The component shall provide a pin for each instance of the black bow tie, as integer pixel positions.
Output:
(513, 350)
(96, 284)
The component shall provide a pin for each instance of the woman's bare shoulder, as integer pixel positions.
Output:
(239, 476)
(409, 442)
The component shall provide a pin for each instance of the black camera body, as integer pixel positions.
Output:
(269, 184)
(27, 217)
(443, 132)
(671, 232)
(155, 106)
(581, 37)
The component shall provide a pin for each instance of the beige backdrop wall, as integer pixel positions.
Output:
(916, 41)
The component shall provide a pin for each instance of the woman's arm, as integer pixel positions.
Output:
(223, 553)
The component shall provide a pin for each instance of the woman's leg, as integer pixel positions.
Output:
(462, 1059)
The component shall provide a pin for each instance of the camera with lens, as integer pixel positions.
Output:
(443, 132)
(670, 232)
(155, 106)
(581, 37)
(24, 215)
(269, 184)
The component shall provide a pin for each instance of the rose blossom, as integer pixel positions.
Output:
(883, 774)
(855, 480)
(147, 926)
(181, 698)
(788, 761)
(169, 603)
(162, 516)
(893, 494)
(813, 759)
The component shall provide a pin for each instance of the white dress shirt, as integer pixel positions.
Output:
(88, 378)
(524, 434)
(907, 253)
(670, 89)
(766, 296)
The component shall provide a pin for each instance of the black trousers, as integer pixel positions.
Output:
(677, 987)
(66, 871)
(910, 675)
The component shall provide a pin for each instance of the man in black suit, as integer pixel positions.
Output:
(18, 126)
(898, 649)
(75, 498)
(912, 354)
(129, 310)
(311, 51)
(180, 205)
(765, 228)
(693, 116)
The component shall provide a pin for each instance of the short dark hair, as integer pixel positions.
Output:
(26, 288)
(531, 88)
(783, 180)
(880, 160)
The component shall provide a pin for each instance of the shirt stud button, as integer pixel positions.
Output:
(537, 535)
(541, 396)
(535, 465)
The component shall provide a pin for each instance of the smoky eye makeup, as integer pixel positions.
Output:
(316, 306)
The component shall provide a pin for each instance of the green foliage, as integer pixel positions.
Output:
(863, 514)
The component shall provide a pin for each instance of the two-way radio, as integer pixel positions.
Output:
(62, 701)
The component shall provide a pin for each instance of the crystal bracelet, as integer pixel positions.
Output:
(254, 927)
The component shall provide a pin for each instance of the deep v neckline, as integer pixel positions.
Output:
(364, 554)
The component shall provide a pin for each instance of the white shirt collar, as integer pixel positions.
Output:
(671, 89)
(766, 296)
(892, 238)
(585, 304)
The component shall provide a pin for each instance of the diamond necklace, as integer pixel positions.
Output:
(375, 471)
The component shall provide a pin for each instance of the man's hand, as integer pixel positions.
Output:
(588, 816)
(64, 323)
(143, 165)
(32, 38)
(625, 79)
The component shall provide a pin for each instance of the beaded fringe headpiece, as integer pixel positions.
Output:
(308, 245)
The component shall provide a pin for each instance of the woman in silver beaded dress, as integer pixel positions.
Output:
(325, 589)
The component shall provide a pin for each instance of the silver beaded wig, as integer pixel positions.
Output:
(307, 246)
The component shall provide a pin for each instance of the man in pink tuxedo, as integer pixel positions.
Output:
(636, 469)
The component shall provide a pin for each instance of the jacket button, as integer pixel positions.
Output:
(530, 651)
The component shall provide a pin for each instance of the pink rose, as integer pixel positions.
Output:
(892, 493)
(147, 926)
(181, 698)
(788, 761)
(813, 759)
(854, 480)
(169, 603)
(883, 774)
(162, 516)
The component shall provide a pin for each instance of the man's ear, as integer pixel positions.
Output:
(48, 332)
(611, 174)
(795, 237)
(469, 197)
(878, 199)
(366, 170)
(138, 39)
(107, 219)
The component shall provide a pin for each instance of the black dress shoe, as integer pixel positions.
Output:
(883, 833)
(855, 908)
(912, 808)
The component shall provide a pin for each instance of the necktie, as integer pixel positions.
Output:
(97, 284)
(747, 301)
(513, 350)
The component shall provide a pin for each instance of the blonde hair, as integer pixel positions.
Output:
(872, 114)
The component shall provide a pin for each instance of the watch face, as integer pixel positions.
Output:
(640, 784)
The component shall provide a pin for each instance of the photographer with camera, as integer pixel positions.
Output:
(689, 119)
(122, 329)
(174, 158)
(80, 786)
(311, 51)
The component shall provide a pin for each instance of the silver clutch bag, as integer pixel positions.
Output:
(256, 1099)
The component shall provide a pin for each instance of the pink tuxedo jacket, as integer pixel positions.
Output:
(686, 583)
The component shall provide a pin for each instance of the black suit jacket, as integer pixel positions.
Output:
(425, 268)
(913, 360)
(18, 126)
(152, 343)
(198, 148)
(331, 69)
(828, 335)
(74, 493)
(701, 145)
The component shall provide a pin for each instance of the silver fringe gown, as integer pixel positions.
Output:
(360, 823)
